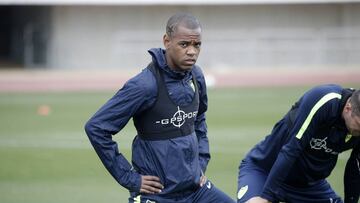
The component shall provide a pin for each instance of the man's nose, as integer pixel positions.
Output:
(191, 50)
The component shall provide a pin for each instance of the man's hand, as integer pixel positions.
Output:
(203, 180)
(150, 185)
(257, 200)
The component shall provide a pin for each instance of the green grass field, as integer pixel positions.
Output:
(48, 159)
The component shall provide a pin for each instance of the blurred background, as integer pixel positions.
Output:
(60, 60)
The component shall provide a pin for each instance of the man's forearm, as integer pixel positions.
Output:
(114, 162)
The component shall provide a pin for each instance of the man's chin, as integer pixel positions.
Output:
(186, 67)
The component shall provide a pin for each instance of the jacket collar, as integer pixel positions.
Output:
(159, 59)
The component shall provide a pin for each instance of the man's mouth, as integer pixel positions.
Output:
(189, 61)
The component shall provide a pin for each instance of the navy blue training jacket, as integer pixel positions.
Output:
(305, 149)
(178, 162)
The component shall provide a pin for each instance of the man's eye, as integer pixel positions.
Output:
(183, 44)
(198, 45)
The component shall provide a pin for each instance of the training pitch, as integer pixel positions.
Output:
(46, 157)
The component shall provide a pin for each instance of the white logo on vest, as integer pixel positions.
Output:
(178, 118)
(319, 144)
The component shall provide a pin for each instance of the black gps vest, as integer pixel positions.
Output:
(166, 120)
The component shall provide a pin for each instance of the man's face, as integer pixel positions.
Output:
(182, 48)
(352, 121)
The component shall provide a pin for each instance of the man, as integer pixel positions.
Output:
(167, 102)
(291, 164)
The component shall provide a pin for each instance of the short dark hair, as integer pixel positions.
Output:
(355, 103)
(184, 19)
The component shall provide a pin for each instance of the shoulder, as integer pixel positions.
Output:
(145, 81)
(323, 93)
(197, 71)
(324, 99)
(198, 74)
(326, 89)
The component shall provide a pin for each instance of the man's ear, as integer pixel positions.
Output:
(166, 41)
(348, 106)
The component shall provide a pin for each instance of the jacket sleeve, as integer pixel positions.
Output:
(312, 112)
(108, 121)
(352, 176)
(200, 122)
